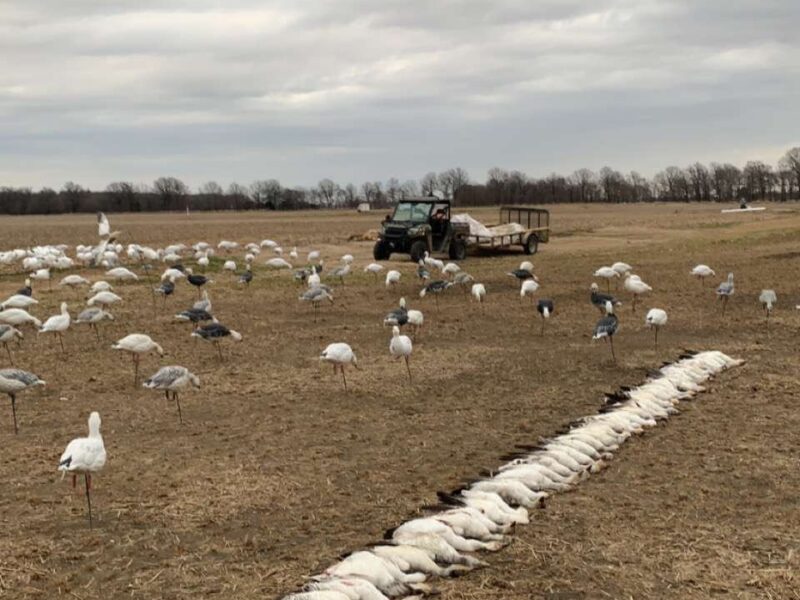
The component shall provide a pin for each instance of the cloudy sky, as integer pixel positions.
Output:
(356, 90)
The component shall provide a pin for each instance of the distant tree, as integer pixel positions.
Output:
(791, 162)
(585, 181)
(266, 193)
(392, 190)
(757, 179)
(327, 190)
(372, 192)
(73, 194)
(171, 191)
(211, 188)
(639, 187)
(409, 189)
(123, 196)
(428, 184)
(350, 195)
(452, 180)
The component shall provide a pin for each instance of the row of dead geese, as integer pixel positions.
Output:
(480, 515)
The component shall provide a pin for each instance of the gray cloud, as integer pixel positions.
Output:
(358, 89)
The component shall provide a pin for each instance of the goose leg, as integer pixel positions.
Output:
(219, 350)
(135, 369)
(10, 358)
(611, 342)
(61, 341)
(88, 479)
(344, 379)
(408, 368)
(656, 339)
(178, 402)
(14, 411)
(542, 330)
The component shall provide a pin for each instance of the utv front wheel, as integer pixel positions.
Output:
(458, 250)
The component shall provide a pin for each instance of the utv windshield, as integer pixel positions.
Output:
(410, 211)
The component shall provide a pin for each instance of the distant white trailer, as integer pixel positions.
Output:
(363, 207)
(738, 210)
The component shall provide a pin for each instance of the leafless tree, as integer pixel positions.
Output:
(172, 192)
(211, 188)
(266, 193)
(428, 184)
(409, 189)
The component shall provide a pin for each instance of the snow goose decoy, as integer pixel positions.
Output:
(204, 303)
(478, 292)
(341, 271)
(315, 296)
(636, 286)
(104, 229)
(435, 288)
(622, 268)
(137, 344)
(702, 272)
(216, 332)
(166, 288)
(230, 266)
(122, 274)
(401, 346)
(392, 278)
(9, 333)
(768, 298)
(104, 299)
(725, 291)
(172, 379)
(58, 324)
(18, 316)
(422, 271)
(450, 269)
(545, 308)
(339, 354)
(42, 275)
(18, 301)
(397, 316)
(433, 263)
(73, 281)
(13, 381)
(656, 318)
(278, 263)
(93, 316)
(606, 327)
(375, 269)
(85, 455)
(599, 299)
(528, 288)
(26, 290)
(608, 274)
(100, 286)
(247, 276)
(198, 281)
(523, 273)
(194, 316)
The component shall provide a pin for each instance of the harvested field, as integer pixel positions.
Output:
(276, 470)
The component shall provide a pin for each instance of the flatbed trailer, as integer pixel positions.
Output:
(519, 226)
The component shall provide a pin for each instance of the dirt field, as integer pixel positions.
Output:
(276, 470)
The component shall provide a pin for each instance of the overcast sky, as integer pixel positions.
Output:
(355, 90)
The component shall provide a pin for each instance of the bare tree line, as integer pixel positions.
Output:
(697, 182)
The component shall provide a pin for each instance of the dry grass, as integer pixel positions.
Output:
(277, 471)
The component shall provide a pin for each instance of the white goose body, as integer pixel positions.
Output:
(122, 274)
(19, 301)
(392, 278)
(18, 316)
(478, 292)
(85, 454)
(104, 299)
(73, 281)
(57, 323)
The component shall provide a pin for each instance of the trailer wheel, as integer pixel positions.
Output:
(531, 245)
(381, 251)
(458, 250)
(418, 250)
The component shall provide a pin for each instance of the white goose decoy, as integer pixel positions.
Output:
(203, 262)
(526, 265)
(18, 301)
(347, 259)
(42, 275)
(313, 256)
(315, 295)
(313, 280)
(268, 243)
(278, 263)
(173, 379)
(13, 381)
(341, 271)
(701, 272)
(9, 333)
(103, 299)
(227, 245)
(636, 286)
(85, 455)
(622, 268)
(229, 266)
(373, 268)
(73, 281)
(401, 346)
(58, 324)
(18, 316)
(122, 274)
(656, 318)
(92, 316)
(479, 293)
(433, 263)
(137, 344)
(339, 354)
(100, 286)
(607, 273)
(104, 228)
(528, 288)
(293, 254)
(768, 298)
(392, 278)
(416, 319)
(724, 292)
(450, 269)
